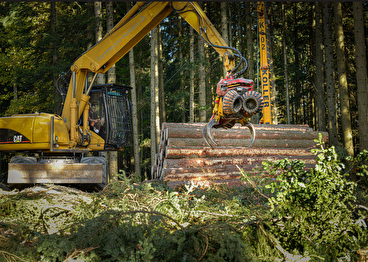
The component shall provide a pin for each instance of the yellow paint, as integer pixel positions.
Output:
(264, 68)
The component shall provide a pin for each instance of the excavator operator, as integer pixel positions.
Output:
(94, 120)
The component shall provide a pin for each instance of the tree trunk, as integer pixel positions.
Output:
(249, 34)
(224, 27)
(297, 97)
(57, 101)
(249, 54)
(239, 25)
(137, 166)
(98, 34)
(320, 92)
(361, 72)
(154, 95)
(342, 80)
(330, 85)
(273, 78)
(202, 82)
(111, 78)
(161, 79)
(191, 95)
(285, 65)
(181, 81)
(100, 77)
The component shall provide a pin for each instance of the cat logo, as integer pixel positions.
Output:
(17, 139)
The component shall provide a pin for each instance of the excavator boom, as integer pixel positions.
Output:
(64, 141)
(68, 138)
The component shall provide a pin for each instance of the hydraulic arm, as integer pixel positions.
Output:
(97, 118)
(136, 24)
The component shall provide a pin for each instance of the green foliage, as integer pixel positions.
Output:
(129, 222)
(314, 210)
(303, 214)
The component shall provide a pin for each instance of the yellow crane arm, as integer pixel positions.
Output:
(132, 28)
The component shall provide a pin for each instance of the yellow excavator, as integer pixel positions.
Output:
(97, 118)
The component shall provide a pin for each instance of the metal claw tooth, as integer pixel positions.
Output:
(252, 132)
(204, 134)
(209, 133)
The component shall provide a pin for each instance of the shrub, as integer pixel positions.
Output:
(314, 211)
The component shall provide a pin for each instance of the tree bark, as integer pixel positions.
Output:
(297, 97)
(111, 75)
(202, 82)
(111, 78)
(224, 27)
(342, 80)
(181, 83)
(98, 34)
(274, 108)
(137, 166)
(320, 92)
(191, 95)
(330, 85)
(155, 123)
(249, 34)
(285, 65)
(239, 29)
(361, 72)
(54, 54)
(161, 79)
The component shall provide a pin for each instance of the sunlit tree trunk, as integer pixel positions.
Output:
(361, 72)
(202, 82)
(191, 95)
(155, 123)
(100, 77)
(320, 92)
(111, 78)
(98, 34)
(181, 81)
(330, 83)
(161, 79)
(347, 133)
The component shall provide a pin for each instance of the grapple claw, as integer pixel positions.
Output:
(207, 135)
(252, 132)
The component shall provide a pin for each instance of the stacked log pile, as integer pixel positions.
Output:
(184, 157)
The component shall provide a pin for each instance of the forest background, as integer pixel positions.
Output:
(317, 57)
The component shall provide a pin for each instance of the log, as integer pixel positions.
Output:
(245, 134)
(305, 128)
(229, 143)
(228, 161)
(227, 152)
(184, 157)
(217, 169)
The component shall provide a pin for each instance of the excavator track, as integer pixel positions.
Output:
(184, 157)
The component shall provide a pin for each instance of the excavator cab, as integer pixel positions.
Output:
(109, 115)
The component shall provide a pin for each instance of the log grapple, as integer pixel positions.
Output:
(236, 102)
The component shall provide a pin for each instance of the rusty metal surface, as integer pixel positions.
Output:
(183, 156)
(54, 173)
